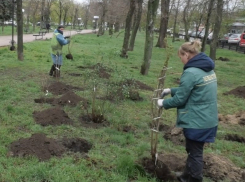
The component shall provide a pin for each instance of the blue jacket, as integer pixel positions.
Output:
(196, 100)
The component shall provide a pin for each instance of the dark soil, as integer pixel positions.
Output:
(217, 168)
(76, 144)
(89, 121)
(75, 74)
(165, 167)
(99, 69)
(52, 116)
(69, 56)
(239, 92)
(44, 148)
(223, 59)
(137, 84)
(235, 138)
(69, 98)
(59, 88)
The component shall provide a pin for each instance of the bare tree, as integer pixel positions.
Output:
(20, 30)
(137, 18)
(104, 9)
(210, 7)
(151, 16)
(217, 26)
(164, 23)
(127, 29)
(175, 19)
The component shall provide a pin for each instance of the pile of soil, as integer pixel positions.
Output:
(137, 84)
(217, 168)
(99, 69)
(235, 138)
(69, 98)
(95, 122)
(239, 92)
(52, 116)
(223, 59)
(59, 88)
(37, 145)
(238, 118)
(44, 148)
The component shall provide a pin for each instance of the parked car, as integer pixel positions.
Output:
(234, 39)
(225, 37)
(242, 41)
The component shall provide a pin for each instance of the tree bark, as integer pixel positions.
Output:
(175, 20)
(20, 30)
(210, 7)
(151, 16)
(164, 23)
(136, 25)
(217, 26)
(186, 20)
(127, 29)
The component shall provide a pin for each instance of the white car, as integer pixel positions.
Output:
(234, 39)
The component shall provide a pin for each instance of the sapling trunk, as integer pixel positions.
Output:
(156, 111)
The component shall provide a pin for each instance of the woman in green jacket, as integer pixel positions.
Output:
(196, 103)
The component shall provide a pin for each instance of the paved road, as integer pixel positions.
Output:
(6, 40)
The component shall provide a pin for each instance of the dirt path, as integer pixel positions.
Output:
(6, 40)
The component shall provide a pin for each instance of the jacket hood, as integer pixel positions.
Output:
(201, 61)
(58, 31)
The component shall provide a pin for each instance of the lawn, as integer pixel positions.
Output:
(110, 88)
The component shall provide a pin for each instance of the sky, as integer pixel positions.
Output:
(80, 1)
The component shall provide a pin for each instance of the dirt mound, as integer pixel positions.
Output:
(37, 145)
(238, 118)
(239, 92)
(76, 144)
(219, 168)
(96, 121)
(44, 148)
(235, 138)
(69, 98)
(223, 59)
(137, 84)
(59, 88)
(52, 116)
(100, 69)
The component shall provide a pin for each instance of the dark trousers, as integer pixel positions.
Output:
(194, 163)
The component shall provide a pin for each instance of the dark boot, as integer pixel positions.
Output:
(51, 72)
(182, 177)
(191, 179)
(57, 71)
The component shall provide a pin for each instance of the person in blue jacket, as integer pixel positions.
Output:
(196, 101)
(57, 42)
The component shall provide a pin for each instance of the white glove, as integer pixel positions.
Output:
(160, 102)
(165, 92)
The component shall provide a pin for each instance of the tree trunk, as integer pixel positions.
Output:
(127, 29)
(210, 7)
(217, 26)
(20, 30)
(164, 23)
(186, 20)
(151, 16)
(175, 20)
(136, 25)
(117, 26)
(110, 25)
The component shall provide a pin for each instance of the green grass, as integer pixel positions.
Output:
(113, 155)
